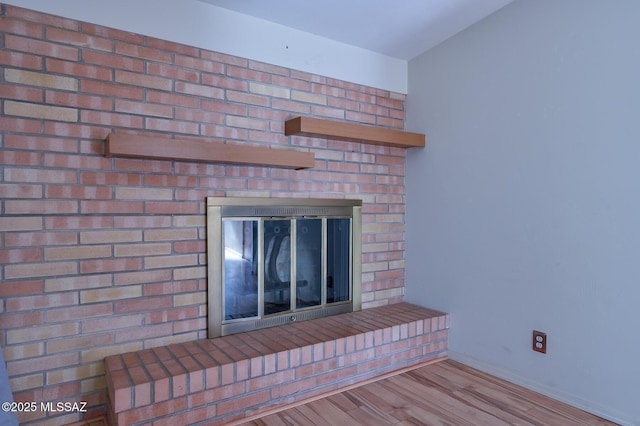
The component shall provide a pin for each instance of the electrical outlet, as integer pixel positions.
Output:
(540, 341)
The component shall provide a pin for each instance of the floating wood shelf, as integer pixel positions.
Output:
(315, 127)
(162, 148)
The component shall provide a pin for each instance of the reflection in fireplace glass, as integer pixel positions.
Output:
(338, 234)
(308, 262)
(240, 269)
(261, 257)
(277, 266)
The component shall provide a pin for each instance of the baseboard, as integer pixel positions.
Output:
(588, 406)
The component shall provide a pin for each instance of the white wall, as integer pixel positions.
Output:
(210, 27)
(524, 209)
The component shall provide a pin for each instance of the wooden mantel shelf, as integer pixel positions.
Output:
(163, 148)
(315, 127)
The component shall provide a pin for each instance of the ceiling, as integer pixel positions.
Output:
(401, 29)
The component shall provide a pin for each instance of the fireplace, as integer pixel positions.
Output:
(273, 261)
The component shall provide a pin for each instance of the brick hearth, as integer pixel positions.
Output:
(220, 380)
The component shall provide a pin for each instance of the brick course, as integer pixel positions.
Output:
(120, 242)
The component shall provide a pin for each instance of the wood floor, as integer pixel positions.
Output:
(445, 393)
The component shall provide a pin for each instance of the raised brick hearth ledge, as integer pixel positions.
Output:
(230, 378)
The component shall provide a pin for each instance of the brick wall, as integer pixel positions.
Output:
(102, 256)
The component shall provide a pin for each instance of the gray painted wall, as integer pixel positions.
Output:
(524, 209)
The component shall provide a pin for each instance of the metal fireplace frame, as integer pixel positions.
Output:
(252, 208)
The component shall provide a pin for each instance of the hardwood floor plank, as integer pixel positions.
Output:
(345, 401)
(365, 415)
(513, 398)
(563, 417)
(488, 397)
(497, 393)
(446, 404)
(503, 399)
(330, 412)
(308, 411)
(389, 405)
(446, 393)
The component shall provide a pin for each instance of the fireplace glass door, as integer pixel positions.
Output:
(240, 269)
(262, 255)
(338, 232)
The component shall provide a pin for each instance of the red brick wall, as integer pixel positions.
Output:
(101, 256)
